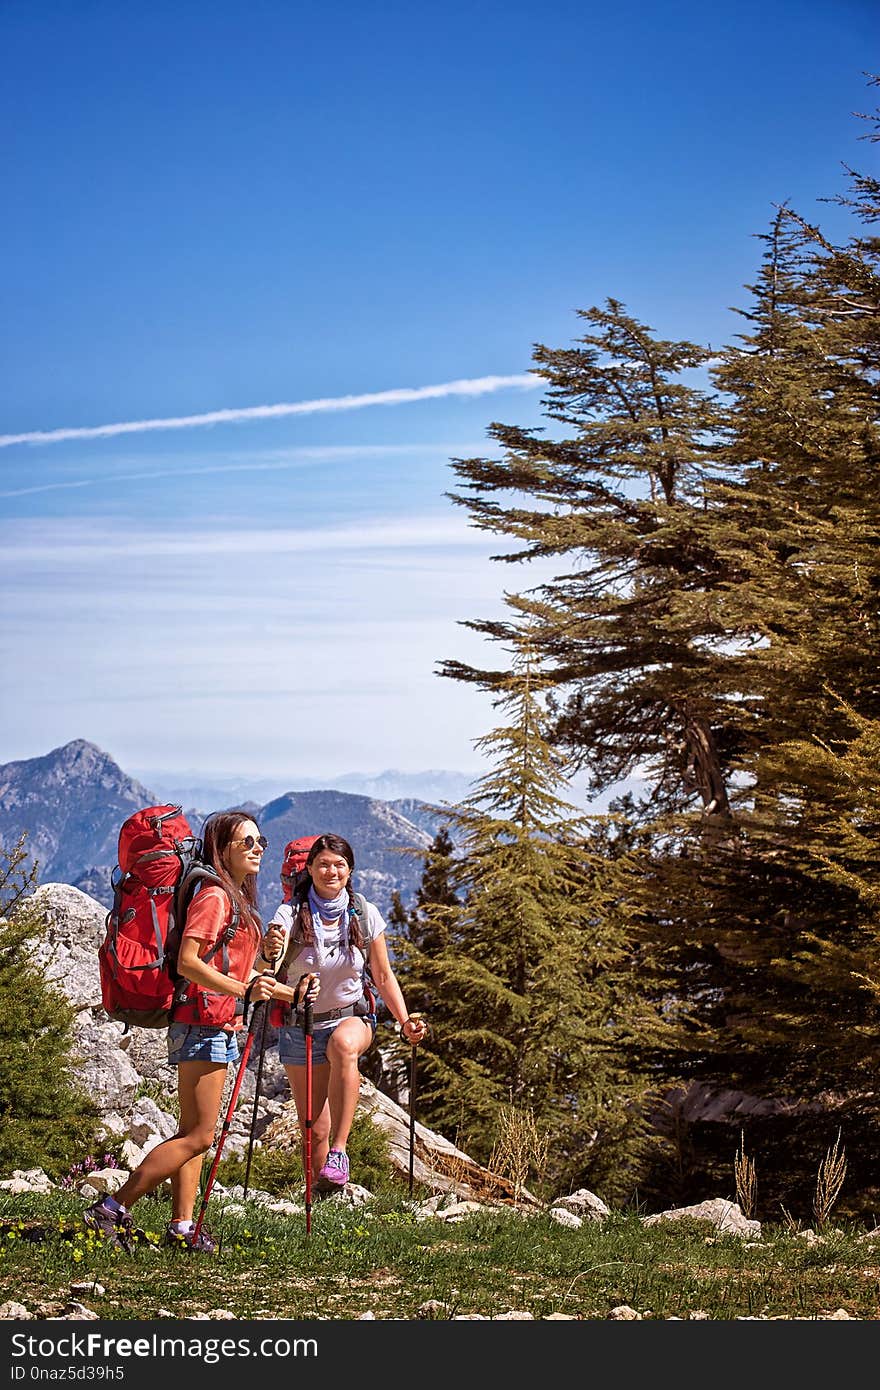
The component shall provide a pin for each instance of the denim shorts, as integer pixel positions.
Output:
(191, 1042)
(292, 1042)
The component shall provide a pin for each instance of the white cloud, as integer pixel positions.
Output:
(77, 541)
(402, 395)
(256, 461)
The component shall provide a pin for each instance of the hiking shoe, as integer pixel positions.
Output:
(335, 1170)
(116, 1226)
(183, 1240)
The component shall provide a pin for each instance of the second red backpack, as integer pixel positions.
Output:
(293, 865)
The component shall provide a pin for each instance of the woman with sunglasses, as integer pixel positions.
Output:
(322, 941)
(202, 1039)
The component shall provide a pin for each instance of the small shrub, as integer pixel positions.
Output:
(746, 1180)
(369, 1157)
(829, 1181)
(46, 1112)
(519, 1148)
(276, 1171)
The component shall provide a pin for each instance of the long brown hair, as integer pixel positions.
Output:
(218, 832)
(336, 845)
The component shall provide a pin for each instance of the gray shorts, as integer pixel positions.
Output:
(192, 1042)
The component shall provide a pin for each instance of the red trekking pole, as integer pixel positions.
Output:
(249, 1042)
(307, 1029)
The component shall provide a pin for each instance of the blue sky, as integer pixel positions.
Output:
(366, 216)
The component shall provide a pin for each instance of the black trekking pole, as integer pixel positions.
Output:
(412, 1115)
(263, 1030)
(249, 1042)
(250, 1151)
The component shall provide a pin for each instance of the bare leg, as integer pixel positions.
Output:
(350, 1038)
(200, 1089)
(320, 1110)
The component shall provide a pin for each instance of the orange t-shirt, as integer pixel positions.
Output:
(208, 916)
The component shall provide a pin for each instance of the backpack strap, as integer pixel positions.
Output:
(360, 910)
(195, 878)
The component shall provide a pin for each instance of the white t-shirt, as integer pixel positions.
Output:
(341, 971)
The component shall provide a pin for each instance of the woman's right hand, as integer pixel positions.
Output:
(262, 987)
(273, 943)
(308, 987)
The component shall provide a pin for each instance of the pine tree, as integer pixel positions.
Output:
(536, 1002)
(716, 624)
(631, 630)
(45, 1117)
(804, 428)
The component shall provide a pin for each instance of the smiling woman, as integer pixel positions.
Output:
(216, 958)
(326, 938)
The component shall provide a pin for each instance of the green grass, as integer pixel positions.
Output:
(381, 1259)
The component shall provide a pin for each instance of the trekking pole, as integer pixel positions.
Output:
(307, 1029)
(412, 1115)
(250, 1151)
(249, 1041)
(412, 1111)
(263, 1030)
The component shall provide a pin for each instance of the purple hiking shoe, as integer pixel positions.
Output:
(334, 1175)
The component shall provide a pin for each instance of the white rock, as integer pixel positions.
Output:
(565, 1218)
(584, 1204)
(27, 1180)
(725, 1217)
(14, 1311)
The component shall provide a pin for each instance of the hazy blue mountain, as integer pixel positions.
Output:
(221, 789)
(72, 803)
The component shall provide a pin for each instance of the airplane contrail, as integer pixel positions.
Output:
(474, 386)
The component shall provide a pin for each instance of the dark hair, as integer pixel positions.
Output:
(218, 832)
(336, 845)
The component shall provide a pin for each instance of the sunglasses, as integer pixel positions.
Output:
(250, 841)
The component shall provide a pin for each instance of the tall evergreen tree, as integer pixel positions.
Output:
(537, 1003)
(804, 426)
(720, 605)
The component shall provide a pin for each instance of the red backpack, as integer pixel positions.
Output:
(159, 868)
(293, 865)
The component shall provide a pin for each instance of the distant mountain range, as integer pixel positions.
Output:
(73, 800)
(196, 789)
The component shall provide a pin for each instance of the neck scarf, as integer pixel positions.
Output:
(329, 908)
(335, 910)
